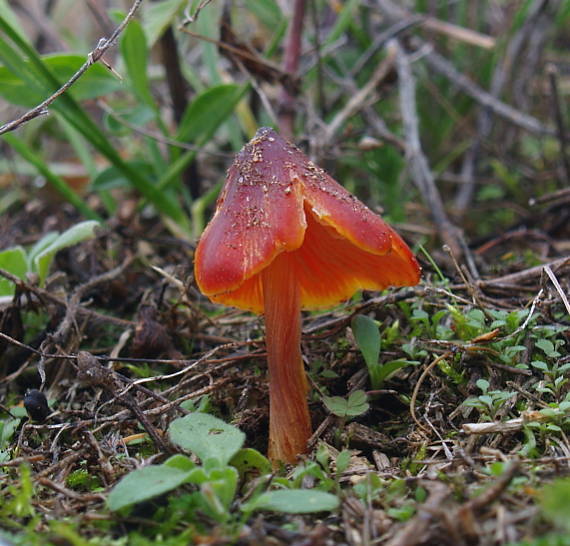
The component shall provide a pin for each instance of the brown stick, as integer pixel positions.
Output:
(419, 168)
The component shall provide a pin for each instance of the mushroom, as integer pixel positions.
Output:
(286, 236)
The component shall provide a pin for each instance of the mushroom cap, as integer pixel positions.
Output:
(276, 200)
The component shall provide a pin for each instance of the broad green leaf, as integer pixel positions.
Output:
(112, 177)
(206, 436)
(483, 384)
(11, 18)
(547, 347)
(391, 367)
(95, 82)
(224, 481)
(181, 462)
(367, 337)
(207, 111)
(157, 16)
(200, 121)
(135, 54)
(356, 404)
(343, 460)
(14, 261)
(555, 502)
(267, 11)
(144, 484)
(75, 234)
(294, 501)
(40, 246)
(250, 461)
(540, 365)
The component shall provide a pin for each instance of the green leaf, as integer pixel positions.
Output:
(367, 336)
(223, 482)
(540, 365)
(250, 461)
(267, 11)
(40, 246)
(75, 234)
(135, 54)
(207, 111)
(343, 460)
(547, 347)
(113, 177)
(95, 82)
(144, 484)
(555, 502)
(200, 121)
(356, 404)
(391, 367)
(181, 462)
(294, 501)
(206, 436)
(483, 384)
(14, 261)
(11, 18)
(157, 16)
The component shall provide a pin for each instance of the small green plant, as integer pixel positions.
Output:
(356, 404)
(39, 258)
(214, 482)
(555, 373)
(8, 427)
(489, 402)
(368, 339)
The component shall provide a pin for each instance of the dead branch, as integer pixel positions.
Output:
(356, 102)
(419, 168)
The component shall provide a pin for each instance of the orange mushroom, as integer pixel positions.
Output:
(285, 236)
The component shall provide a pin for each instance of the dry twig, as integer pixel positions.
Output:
(419, 167)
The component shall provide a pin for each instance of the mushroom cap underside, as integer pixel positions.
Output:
(276, 201)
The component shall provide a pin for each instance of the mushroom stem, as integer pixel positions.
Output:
(289, 421)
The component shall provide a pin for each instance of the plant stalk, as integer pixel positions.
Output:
(289, 421)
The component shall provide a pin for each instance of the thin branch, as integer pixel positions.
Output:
(355, 103)
(556, 284)
(419, 167)
(93, 57)
(441, 65)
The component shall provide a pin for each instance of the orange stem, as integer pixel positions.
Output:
(289, 421)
